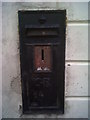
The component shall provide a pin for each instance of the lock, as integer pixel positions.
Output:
(42, 56)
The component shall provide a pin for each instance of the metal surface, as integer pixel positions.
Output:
(42, 48)
(42, 58)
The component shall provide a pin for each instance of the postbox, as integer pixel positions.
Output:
(42, 58)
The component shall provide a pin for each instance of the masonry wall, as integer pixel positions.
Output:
(76, 71)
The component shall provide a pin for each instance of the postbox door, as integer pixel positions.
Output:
(42, 67)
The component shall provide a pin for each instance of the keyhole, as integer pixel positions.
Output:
(42, 54)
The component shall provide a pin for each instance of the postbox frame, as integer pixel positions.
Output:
(62, 30)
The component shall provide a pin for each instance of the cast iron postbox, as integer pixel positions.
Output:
(42, 55)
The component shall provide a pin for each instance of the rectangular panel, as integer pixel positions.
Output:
(76, 79)
(41, 32)
(77, 42)
(42, 58)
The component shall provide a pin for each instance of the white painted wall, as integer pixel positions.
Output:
(76, 79)
(0, 61)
